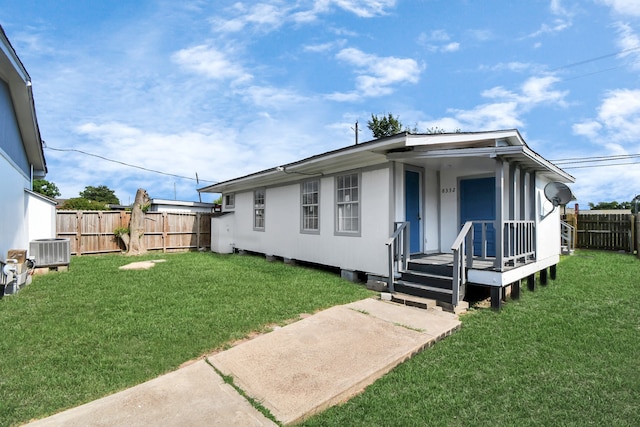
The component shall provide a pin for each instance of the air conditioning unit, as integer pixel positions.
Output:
(50, 252)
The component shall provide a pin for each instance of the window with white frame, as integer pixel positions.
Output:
(348, 204)
(258, 209)
(310, 206)
(229, 200)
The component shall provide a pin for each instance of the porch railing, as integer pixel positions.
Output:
(462, 257)
(398, 249)
(567, 231)
(519, 242)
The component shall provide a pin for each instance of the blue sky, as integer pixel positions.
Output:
(227, 88)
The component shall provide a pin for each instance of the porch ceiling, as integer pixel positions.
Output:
(458, 157)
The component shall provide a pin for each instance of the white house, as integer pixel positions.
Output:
(426, 213)
(24, 215)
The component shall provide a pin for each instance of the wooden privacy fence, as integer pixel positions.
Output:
(610, 231)
(91, 232)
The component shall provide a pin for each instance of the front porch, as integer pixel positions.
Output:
(431, 276)
(444, 276)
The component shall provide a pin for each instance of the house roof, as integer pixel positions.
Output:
(437, 150)
(13, 72)
(181, 203)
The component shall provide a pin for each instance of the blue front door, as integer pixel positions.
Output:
(478, 203)
(412, 209)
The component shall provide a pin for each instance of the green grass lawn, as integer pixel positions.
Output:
(71, 337)
(567, 354)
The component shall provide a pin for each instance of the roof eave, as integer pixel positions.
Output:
(19, 82)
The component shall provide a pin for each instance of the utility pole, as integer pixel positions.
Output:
(356, 131)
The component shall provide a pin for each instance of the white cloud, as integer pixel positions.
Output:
(623, 7)
(272, 97)
(211, 63)
(629, 44)
(534, 91)
(376, 75)
(619, 113)
(324, 47)
(514, 66)
(508, 107)
(438, 41)
(590, 128)
(269, 16)
(481, 35)
(501, 115)
(365, 8)
(617, 125)
(537, 90)
(562, 21)
(451, 47)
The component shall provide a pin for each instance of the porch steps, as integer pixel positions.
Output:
(428, 280)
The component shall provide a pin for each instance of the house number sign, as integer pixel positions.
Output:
(448, 190)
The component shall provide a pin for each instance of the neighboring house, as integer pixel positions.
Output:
(24, 215)
(178, 206)
(465, 207)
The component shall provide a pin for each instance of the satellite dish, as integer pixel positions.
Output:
(558, 193)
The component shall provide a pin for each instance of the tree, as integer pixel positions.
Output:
(384, 125)
(81, 204)
(46, 188)
(101, 193)
(610, 205)
(132, 236)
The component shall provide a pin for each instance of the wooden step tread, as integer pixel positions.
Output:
(425, 287)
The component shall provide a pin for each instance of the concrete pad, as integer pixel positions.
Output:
(307, 366)
(191, 396)
(141, 265)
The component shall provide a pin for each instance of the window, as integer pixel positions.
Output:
(348, 204)
(310, 206)
(258, 206)
(229, 200)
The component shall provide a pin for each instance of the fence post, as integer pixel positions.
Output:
(198, 217)
(165, 231)
(78, 232)
(637, 232)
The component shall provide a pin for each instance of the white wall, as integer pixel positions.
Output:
(41, 214)
(431, 213)
(282, 236)
(548, 229)
(14, 231)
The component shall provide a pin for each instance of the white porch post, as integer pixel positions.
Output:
(512, 192)
(500, 175)
(524, 197)
(532, 202)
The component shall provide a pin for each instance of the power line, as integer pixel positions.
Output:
(600, 166)
(597, 58)
(126, 164)
(595, 159)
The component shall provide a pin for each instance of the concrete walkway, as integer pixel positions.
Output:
(294, 371)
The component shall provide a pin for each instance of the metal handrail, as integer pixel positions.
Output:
(398, 249)
(567, 233)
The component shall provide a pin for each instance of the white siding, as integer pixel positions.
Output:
(547, 229)
(282, 236)
(14, 230)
